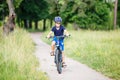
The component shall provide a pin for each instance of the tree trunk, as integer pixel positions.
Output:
(75, 26)
(57, 7)
(36, 25)
(10, 24)
(18, 21)
(25, 24)
(11, 7)
(30, 24)
(115, 13)
(21, 23)
(44, 24)
(51, 22)
(118, 14)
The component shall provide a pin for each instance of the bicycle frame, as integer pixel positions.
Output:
(58, 44)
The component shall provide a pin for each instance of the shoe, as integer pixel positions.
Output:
(52, 53)
(64, 64)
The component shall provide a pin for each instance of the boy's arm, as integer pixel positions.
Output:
(49, 34)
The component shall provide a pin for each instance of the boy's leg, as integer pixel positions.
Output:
(63, 54)
(63, 57)
(63, 60)
(52, 48)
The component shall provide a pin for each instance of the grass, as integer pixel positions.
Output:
(33, 30)
(99, 50)
(17, 61)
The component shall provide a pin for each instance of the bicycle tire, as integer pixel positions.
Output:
(58, 61)
(56, 57)
(60, 67)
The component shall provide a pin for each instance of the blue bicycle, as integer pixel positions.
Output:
(58, 53)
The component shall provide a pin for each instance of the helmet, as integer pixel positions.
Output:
(58, 19)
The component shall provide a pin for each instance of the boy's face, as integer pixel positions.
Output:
(57, 24)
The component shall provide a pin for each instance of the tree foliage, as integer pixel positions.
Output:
(3, 9)
(17, 3)
(37, 11)
(87, 14)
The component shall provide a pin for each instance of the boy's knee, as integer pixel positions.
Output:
(53, 43)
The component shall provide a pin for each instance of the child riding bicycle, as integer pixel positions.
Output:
(58, 30)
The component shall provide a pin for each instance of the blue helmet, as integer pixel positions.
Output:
(58, 19)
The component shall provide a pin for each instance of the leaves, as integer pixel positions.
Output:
(33, 9)
(85, 12)
(17, 3)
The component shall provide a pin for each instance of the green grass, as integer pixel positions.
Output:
(99, 50)
(33, 30)
(17, 61)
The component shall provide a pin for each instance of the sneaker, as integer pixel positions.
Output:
(64, 64)
(52, 53)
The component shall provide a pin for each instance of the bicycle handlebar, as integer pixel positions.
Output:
(63, 36)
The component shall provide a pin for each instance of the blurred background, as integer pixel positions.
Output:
(93, 25)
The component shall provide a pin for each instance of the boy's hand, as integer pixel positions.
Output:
(67, 35)
(48, 36)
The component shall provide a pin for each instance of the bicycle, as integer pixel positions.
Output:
(58, 53)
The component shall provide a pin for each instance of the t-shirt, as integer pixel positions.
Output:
(59, 32)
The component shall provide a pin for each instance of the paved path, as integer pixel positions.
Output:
(74, 70)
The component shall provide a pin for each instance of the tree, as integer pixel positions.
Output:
(86, 13)
(118, 15)
(10, 24)
(32, 10)
(115, 13)
(53, 11)
(3, 10)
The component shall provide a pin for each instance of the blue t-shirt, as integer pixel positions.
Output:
(59, 32)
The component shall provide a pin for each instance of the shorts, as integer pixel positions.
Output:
(61, 43)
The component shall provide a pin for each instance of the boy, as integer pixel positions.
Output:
(58, 30)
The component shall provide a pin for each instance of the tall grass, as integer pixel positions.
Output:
(17, 61)
(99, 50)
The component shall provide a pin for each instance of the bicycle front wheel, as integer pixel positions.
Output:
(59, 68)
(58, 61)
